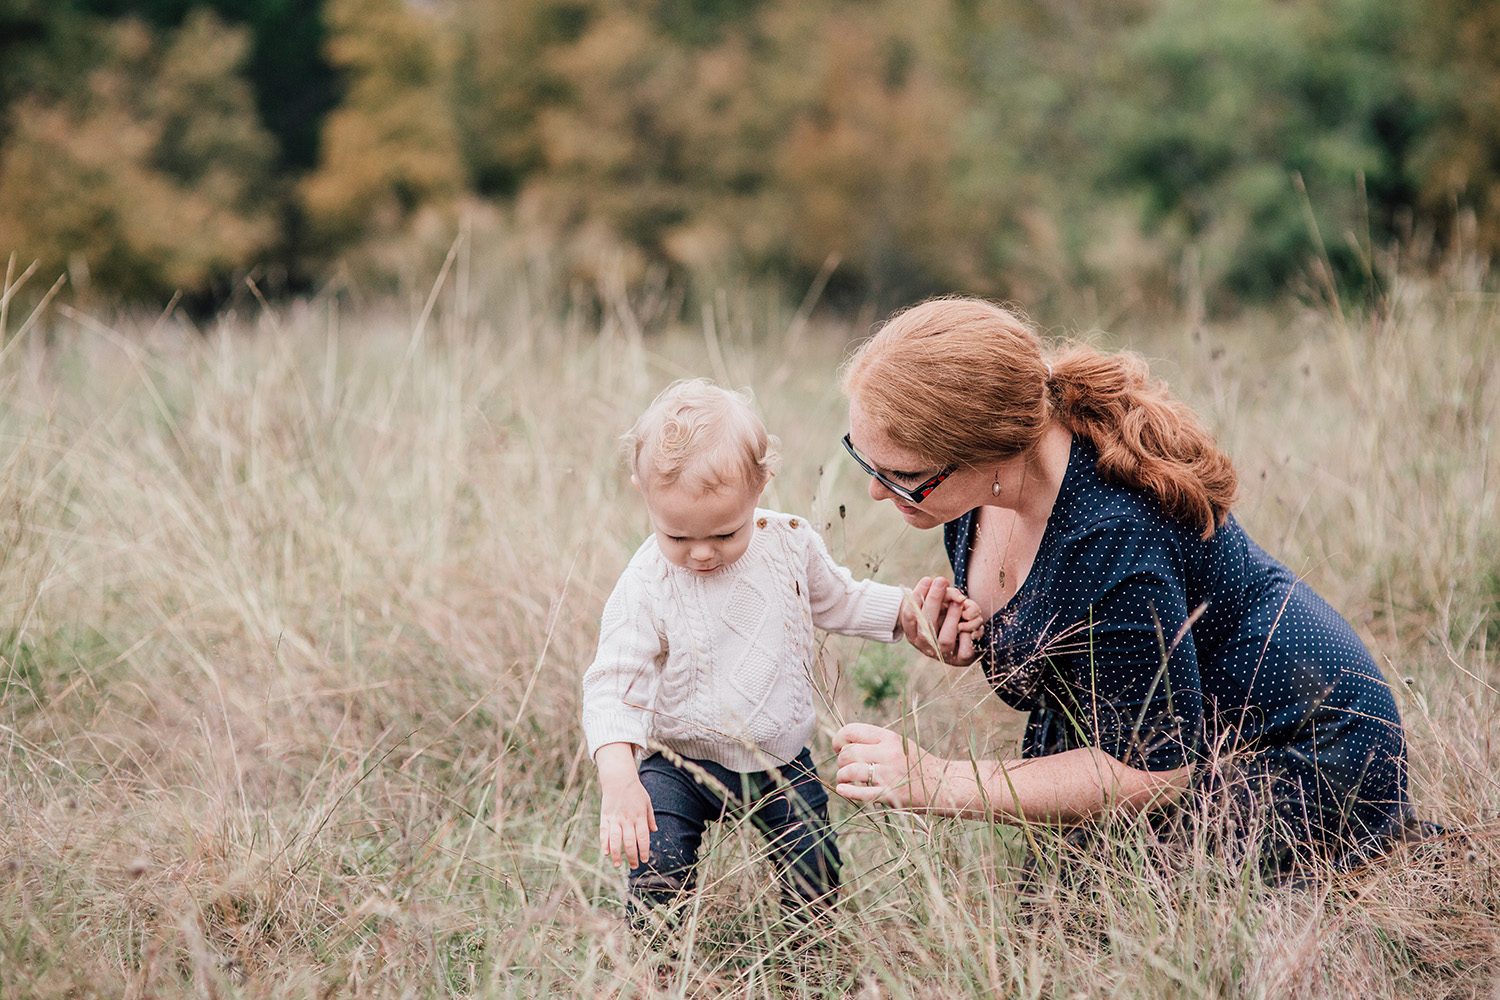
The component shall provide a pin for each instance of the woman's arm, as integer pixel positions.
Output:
(878, 765)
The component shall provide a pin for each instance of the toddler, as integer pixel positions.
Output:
(699, 703)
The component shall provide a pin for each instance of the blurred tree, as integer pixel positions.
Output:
(391, 147)
(152, 176)
(295, 86)
(619, 147)
(1030, 148)
(503, 83)
(24, 24)
(868, 168)
(45, 51)
(772, 135)
(1458, 74)
(1221, 109)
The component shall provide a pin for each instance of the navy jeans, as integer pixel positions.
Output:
(788, 806)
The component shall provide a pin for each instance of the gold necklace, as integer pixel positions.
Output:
(1015, 516)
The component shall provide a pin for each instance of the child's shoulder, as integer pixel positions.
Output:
(775, 520)
(647, 561)
(793, 532)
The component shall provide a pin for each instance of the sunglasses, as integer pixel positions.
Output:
(911, 494)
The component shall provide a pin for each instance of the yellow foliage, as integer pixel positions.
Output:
(796, 134)
(865, 170)
(391, 147)
(1463, 157)
(152, 179)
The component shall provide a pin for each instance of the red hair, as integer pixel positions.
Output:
(963, 381)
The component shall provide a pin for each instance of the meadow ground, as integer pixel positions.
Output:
(293, 611)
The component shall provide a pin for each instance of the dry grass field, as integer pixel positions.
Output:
(293, 611)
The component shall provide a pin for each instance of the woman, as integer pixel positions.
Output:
(1158, 649)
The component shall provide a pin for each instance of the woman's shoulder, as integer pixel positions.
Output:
(1088, 502)
(1108, 530)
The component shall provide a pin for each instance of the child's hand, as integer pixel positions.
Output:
(971, 619)
(626, 818)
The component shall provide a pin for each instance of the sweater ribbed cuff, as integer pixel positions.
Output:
(885, 606)
(603, 728)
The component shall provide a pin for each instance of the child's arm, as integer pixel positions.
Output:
(626, 818)
(864, 609)
(619, 691)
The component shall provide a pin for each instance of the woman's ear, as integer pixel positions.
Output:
(637, 484)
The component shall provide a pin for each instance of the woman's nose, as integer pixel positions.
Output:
(878, 490)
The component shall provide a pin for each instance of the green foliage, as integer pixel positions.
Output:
(879, 678)
(1490, 601)
(1228, 107)
(151, 175)
(34, 669)
(22, 674)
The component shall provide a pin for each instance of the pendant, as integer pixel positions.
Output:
(1002, 579)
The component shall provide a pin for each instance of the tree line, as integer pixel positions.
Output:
(158, 147)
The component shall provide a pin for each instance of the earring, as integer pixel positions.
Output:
(995, 486)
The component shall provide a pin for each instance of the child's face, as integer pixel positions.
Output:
(702, 532)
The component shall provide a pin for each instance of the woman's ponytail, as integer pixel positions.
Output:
(1146, 438)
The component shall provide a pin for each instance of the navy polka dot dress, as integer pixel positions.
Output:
(1134, 635)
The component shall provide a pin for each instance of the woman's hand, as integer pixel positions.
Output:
(940, 622)
(878, 765)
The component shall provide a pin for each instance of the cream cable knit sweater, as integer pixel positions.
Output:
(720, 666)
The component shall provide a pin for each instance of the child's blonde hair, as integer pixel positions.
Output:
(703, 436)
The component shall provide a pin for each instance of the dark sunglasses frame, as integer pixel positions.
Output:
(909, 494)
